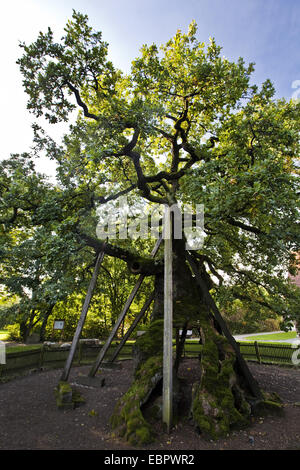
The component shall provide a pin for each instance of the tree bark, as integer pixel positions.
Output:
(221, 400)
(45, 321)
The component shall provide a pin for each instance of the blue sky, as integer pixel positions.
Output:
(266, 32)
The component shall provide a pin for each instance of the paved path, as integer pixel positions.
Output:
(291, 340)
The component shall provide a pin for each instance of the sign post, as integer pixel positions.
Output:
(168, 323)
(59, 324)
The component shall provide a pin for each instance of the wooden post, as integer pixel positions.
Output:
(180, 346)
(80, 350)
(257, 351)
(177, 339)
(132, 327)
(129, 301)
(109, 340)
(168, 324)
(41, 358)
(68, 364)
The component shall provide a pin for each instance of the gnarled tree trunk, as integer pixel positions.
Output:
(221, 399)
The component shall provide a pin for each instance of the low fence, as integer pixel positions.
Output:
(259, 352)
(255, 351)
(49, 356)
(268, 353)
(54, 356)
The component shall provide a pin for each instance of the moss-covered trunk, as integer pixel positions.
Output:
(220, 401)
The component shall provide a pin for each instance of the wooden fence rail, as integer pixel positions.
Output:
(267, 353)
(44, 357)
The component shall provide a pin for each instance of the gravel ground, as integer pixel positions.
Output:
(29, 418)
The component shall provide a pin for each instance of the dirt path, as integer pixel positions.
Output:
(29, 418)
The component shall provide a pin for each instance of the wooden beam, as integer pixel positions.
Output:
(167, 395)
(251, 382)
(85, 307)
(180, 341)
(132, 327)
(121, 317)
(156, 247)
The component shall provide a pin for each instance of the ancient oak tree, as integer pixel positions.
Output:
(185, 126)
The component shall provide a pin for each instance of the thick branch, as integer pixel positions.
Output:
(112, 197)
(80, 102)
(243, 226)
(142, 181)
(136, 263)
(251, 299)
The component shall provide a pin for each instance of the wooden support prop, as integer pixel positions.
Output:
(68, 364)
(252, 384)
(180, 349)
(121, 317)
(167, 395)
(257, 351)
(132, 327)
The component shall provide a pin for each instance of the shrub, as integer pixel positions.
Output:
(13, 332)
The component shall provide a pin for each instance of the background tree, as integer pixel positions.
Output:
(42, 263)
(184, 126)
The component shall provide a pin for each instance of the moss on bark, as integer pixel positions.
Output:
(127, 420)
(220, 401)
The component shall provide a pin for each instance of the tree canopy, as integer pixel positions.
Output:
(184, 126)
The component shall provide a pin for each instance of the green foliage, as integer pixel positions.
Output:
(184, 126)
(249, 318)
(13, 332)
(49, 68)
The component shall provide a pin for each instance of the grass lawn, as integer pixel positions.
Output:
(29, 347)
(272, 337)
(3, 335)
(192, 347)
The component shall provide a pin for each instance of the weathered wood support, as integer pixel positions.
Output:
(132, 327)
(121, 317)
(257, 351)
(167, 395)
(85, 307)
(180, 341)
